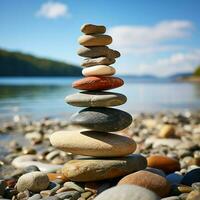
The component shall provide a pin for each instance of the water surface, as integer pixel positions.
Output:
(40, 97)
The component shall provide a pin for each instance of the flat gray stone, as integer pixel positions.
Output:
(93, 169)
(88, 62)
(127, 192)
(102, 119)
(96, 99)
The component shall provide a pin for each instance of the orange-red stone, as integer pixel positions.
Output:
(54, 176)
(149, 180)
(164, 163)
(98, 83)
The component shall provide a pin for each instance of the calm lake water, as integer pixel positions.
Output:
(40, 97)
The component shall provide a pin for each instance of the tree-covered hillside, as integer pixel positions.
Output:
(20, 64)
(197, 71)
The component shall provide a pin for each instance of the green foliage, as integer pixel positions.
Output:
(197, 71)
(19, 64)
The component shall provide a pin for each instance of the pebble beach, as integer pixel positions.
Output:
(169, 141)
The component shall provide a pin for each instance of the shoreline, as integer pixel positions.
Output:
(191, 79)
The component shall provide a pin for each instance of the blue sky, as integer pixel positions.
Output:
(158, 37)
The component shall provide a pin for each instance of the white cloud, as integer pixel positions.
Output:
(52, 10)
(150, 39)
(179, 62)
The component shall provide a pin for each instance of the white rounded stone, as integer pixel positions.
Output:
(99, 70)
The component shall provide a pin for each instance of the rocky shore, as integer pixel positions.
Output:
(30, 168)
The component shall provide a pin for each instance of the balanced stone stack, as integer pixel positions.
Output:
(106, 154)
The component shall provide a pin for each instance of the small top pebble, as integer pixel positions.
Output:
(93, 29)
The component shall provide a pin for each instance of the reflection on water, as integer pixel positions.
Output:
(39, 97)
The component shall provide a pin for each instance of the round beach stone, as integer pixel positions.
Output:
(91, 143)
(95, 40)
(93, 169)
(96, 99)
(149, 180)
(88, 62)
(127, 192)
(33, 181)
(191, 177)
(93, 29)
(99, 51)
(174, 178)
(98, 83)
(102, 119)
(167, 131)
(99, 70)
(164, 163)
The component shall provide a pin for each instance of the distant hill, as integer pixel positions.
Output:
(197, 71)
(180, 75)
(20, 64)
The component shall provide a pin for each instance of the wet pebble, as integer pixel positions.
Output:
(191, 177)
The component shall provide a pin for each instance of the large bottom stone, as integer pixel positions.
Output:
(91, 169)
(102, 119)
(91, 143)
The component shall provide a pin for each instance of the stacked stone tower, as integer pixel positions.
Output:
(107, 155)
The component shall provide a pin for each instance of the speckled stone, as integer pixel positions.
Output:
(88, 62)
(102, 119)
(96, 99)
(98, 83)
